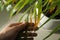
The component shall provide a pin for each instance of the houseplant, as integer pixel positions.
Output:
(20, 4)
(56, 20)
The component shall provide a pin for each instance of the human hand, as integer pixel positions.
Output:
(10, 32)
(28, 33)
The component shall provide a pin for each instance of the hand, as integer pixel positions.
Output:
(11, 32)
(28, 33)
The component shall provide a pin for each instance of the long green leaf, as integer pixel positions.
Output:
(55, 30)
(15, 7)
(8, 2)
(27, 18)
(26, 2)
(23, 15)
(47, 7)
(45, 3)
(35, 13)
(39, 9)
(25, 12)
(18, 4)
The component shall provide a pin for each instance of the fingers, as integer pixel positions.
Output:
(25, 27)
(26, 35)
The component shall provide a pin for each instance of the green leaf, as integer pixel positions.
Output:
(47, 8)
(8, 2)
(15, 8)
(26, 2)
(1, 6)
(35, 13)
(39, 9)
(18, 4)
(53, 4)
(45, 3)
(25, 12)
(55, 30)
(27, 18)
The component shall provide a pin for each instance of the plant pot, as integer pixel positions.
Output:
(51, 24)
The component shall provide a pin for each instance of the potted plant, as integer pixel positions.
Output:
(19, 5)
(49, 12)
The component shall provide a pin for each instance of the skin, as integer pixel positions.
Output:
(10, 32)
